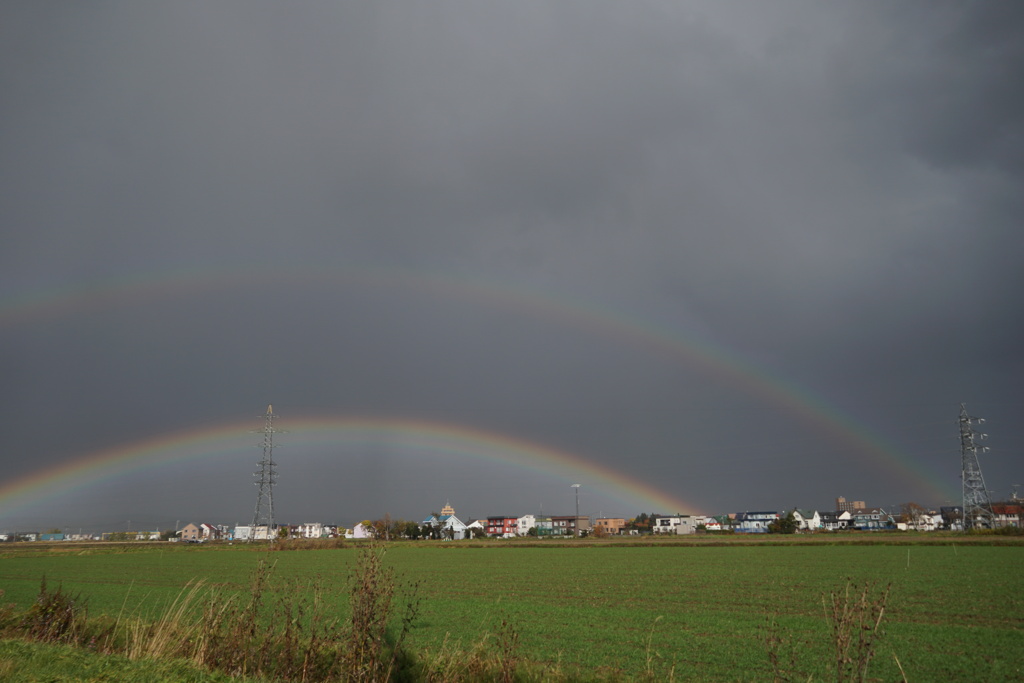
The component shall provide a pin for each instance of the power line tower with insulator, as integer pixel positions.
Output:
(265, 476)
(977, 509)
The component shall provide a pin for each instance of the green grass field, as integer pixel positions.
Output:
(22, 662)
(692, 611)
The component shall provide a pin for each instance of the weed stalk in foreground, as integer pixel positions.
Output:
(854, 616)
(55, 617)
(369, 652)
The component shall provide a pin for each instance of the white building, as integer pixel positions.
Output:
(449, 526)
(836, 521)
(524, 524)
(251, 533)
(679, 524)
(710, 523)
(754, 522)
(807, 520)
(310, 530)
(360, 531)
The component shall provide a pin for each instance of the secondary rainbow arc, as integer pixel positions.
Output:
(692, 352)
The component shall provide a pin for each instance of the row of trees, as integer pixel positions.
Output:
(641, 523)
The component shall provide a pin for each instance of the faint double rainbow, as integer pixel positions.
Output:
(639, 334)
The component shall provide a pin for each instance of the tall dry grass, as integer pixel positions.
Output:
(287, 634)
(494, 658)
(370, 651)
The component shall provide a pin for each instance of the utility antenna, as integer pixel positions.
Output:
(265, 476)
(977, 508)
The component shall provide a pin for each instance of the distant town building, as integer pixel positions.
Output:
(807, 520)
(545, 527)
(502, 526)
(871, 519)
(569, 525)
(245, 532)
(1008, 514)
(836, 521)
(754, 522)
(610, 525)
(447, 527)
(310, 530)
(952, 517)
(360, 531)
(843, 505)
(674, 524)
(713, 523)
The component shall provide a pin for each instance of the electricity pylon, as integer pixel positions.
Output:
(265, 476)
(977, 509)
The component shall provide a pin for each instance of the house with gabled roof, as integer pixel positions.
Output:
(952, 517)
(1008, 514)
(836, 521)
(872, 519)
(361, 530)
(726, 522)
(445, 527)
(807, 520)
(475, 528)
(922, 521)
(198, 533)
(710, 523)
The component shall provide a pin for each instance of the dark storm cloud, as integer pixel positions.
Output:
(830, 191)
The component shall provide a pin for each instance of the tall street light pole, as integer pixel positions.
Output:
(576, 524)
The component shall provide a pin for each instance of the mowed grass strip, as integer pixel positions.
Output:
(954, 612)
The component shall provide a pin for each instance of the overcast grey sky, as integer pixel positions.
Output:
(489, 216)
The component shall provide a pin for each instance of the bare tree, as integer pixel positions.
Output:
(912, 515)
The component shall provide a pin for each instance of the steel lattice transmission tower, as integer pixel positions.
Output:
(977, 512)
(265, 476)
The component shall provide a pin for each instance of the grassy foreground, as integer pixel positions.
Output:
(683, 611)
(22, 662)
